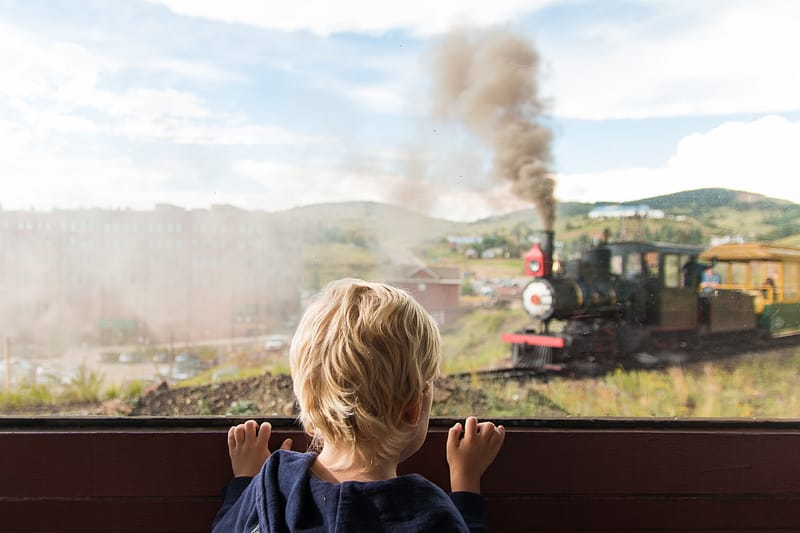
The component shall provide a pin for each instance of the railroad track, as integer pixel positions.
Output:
(725, 353)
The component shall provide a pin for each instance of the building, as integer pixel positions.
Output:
(625, 211)
(109, 276)
(438, 289)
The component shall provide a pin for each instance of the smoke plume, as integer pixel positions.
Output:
(487, 80)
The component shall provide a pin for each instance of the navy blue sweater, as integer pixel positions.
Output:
(285, 496)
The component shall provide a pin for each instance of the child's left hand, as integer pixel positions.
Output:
(248, 447)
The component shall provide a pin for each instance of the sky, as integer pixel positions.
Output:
(269, 105)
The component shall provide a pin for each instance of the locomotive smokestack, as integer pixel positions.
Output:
(548, 236)
(487, 80)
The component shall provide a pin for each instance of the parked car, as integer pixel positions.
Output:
(187, 359)
(187, 365)
(128, 358)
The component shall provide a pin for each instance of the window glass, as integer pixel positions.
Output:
(651, 262)
(616, 265)
(757, 273)
(774, 269)
(672, 270)
(791, 279)
(633, 265)
(173, 200)
(738, 273)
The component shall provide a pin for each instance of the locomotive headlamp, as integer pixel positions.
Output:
(538, 299)
(534, 266)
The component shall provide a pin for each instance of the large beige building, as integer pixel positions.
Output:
(107, 276)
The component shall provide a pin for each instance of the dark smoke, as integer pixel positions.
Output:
(487, 80)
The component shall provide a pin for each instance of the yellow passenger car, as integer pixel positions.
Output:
(769, 273)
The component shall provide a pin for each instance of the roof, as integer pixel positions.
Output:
(751, 251)
(436, 274)
(644, 247)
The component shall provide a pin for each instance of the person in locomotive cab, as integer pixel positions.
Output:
(691, 271)
(363, 361)
(711, 279)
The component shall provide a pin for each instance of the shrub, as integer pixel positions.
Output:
(84, 387)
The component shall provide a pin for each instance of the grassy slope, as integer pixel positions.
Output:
(473, 343)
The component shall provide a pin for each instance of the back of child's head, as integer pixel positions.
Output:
(362, 354)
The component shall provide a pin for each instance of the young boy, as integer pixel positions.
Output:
(363, 361)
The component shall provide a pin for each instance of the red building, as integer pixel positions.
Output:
(438, 289)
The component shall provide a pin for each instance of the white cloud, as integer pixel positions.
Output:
(62, 129)
(758, 156)
(194, 70)
(36, 68)
(34, 65)
(58, 87)
(380, 99)
(361, 16)
(703, 58)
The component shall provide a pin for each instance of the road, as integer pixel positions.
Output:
(116, 373)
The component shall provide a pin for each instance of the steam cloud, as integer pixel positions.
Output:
(487, 80)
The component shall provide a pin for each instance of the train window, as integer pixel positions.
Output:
(616, 265)
(758, 273)
(778, 274)
(633, 265)
(651, 263)
(791, 280)
(738, 273)
(172, 200)
(672, 270)
(776, 270)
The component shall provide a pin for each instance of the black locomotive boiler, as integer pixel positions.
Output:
(620, 301)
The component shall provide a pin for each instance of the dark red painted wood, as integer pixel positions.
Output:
(161, 476)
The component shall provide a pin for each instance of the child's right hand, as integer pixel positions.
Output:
(470, 456)
(249, 449)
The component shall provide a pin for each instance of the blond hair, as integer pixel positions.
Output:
(362, 354)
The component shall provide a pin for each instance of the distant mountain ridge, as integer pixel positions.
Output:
(713, 211)
(711, 198)
(677, 203)
(694, 201)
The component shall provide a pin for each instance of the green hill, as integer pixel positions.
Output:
(711, 212)
(709, 199)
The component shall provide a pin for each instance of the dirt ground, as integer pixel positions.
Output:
(267, 395)
(270, 395)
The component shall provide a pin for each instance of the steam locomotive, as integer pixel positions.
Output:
(644, 302)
